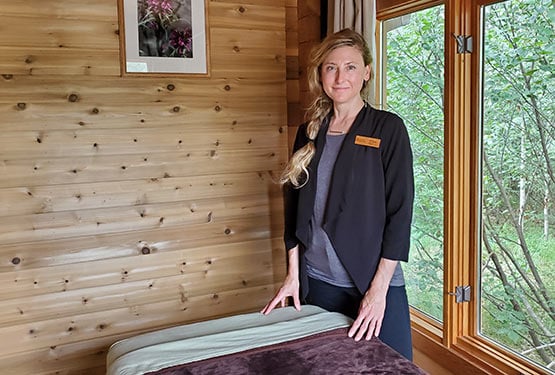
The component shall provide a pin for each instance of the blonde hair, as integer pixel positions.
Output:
(296, 171)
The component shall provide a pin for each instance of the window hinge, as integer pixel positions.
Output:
(464, 43)
(462, 293)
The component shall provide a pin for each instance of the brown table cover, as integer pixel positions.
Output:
(327, 353)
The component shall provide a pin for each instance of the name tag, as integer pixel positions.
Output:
(367, 141)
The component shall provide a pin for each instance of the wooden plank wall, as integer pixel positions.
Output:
(308, 36)
(133, 203)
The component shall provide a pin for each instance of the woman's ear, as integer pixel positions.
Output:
(367, 73)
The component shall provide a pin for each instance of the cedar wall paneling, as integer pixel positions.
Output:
(308, 34)
(134, 203)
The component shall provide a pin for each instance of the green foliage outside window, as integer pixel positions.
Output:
(518, 178)
(415, 59)
(517, 262)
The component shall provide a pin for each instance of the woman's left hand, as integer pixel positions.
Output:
(370, 314)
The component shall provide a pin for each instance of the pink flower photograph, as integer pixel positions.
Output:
(164, 28)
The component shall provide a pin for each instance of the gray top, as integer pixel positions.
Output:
(321, 259)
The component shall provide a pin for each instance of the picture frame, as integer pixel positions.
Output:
(163, 37)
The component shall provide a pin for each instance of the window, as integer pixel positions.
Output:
(413, 83)
(517, 262)
(482, 126)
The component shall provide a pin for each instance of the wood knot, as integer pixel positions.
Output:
(16, 260)
(95, 111)
(217, 108)
(236, 49)
(29, 59)
(73, 98)
(145, 250)
(170, 87)
(21, 106)
(7, 77)
(227, 231)
(176, 109)
(227, 87)
(242, 9)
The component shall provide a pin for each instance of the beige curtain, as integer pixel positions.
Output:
(359, 15)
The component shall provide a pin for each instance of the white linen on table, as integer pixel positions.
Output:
(197, 341)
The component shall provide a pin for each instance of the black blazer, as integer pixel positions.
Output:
(369, 208)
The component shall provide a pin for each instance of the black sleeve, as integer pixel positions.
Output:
(399, 190)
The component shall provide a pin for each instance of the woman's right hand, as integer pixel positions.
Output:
(290, 287)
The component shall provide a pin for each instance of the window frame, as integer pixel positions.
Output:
(455, 342)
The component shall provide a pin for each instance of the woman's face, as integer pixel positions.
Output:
(343, 73)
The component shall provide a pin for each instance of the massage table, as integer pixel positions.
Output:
(287, 341)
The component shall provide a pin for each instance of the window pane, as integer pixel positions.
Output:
(413, 46)
(517, 305)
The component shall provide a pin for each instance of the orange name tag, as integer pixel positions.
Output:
(367, 141)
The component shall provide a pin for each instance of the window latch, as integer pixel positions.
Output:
(464, 43)
(462, 293)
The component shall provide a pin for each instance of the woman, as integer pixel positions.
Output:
(348, 200)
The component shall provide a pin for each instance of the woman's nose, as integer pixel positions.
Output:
(338, 75)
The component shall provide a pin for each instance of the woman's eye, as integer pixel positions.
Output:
(351, 67)
(330, 68)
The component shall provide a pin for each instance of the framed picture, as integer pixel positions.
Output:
(163, 36)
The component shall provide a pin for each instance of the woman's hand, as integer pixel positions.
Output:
(290, 287)
(370, 315)
(372, 307)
